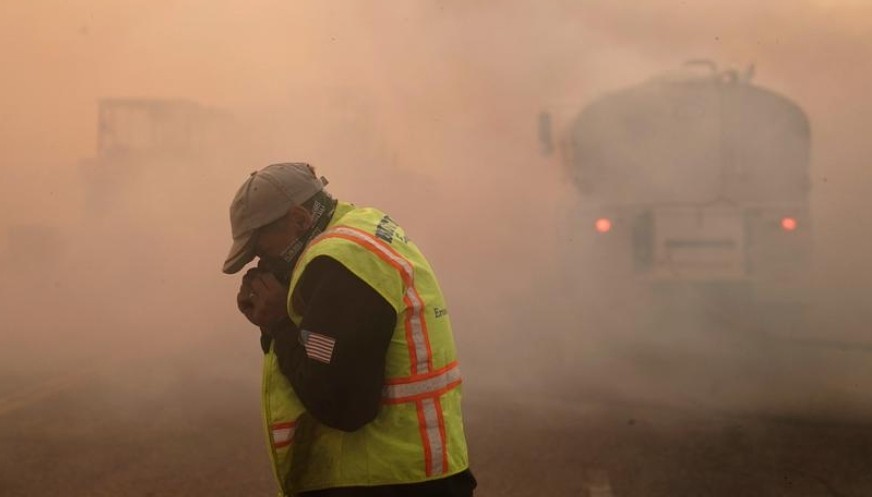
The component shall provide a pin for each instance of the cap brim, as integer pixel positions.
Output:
(241, 253)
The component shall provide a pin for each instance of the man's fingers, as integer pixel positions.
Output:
(244, 296)
(258, 286)
(273, 284)
(250, 276)
(266, 282)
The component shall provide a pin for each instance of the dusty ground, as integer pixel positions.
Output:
(185, 424)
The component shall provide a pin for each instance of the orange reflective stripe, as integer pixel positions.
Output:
(417, 338)
(418, 387)
(432, 431)
(442, 436)
(425, 390)
(425, 439)
(424, 385)
(427, 395)
(423, 376)
(282, 434)
(410, 336)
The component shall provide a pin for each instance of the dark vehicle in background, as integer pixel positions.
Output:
(692, 197)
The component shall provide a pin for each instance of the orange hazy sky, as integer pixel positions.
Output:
(450, 85)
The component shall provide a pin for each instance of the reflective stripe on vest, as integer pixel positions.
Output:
(416, 329)
(282, 434)
(424, 386)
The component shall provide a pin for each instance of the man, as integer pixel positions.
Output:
(361, 390)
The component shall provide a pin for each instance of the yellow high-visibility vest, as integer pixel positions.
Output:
(417, 434)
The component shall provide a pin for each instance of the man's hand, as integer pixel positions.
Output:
(262, 298)
(244, 297)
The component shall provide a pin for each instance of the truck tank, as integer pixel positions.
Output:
(692, 192)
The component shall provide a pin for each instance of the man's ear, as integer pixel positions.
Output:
(300, 218)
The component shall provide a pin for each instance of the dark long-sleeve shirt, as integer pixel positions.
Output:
(344, 391)
(341, 386)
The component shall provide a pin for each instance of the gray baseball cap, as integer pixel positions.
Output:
(266, 196)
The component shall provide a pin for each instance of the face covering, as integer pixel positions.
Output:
(323, 207)
(320, 218)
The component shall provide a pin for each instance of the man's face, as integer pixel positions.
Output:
(272, 240)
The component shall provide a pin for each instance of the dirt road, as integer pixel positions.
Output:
(182, 424)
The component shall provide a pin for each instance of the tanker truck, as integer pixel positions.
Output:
(690, 194)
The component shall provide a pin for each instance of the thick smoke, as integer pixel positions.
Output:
(426, 109)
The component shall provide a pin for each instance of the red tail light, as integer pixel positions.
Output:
(603, 225)
(788, 224)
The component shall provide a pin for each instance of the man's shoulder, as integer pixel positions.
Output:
(347, 211)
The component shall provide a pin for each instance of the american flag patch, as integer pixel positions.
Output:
(318, 347)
